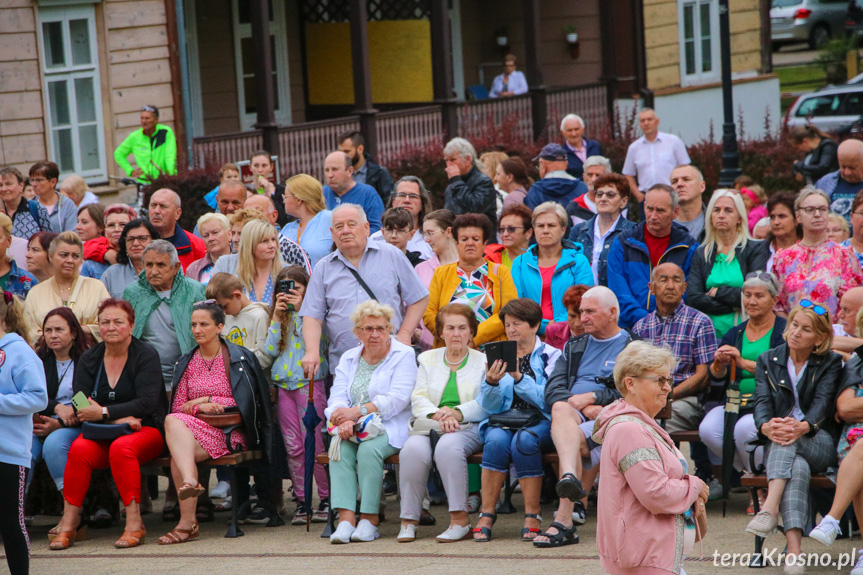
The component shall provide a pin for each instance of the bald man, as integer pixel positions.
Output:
(230, 197)
(292, 253)
(842, 185)
(342, 189)
(165, 210)
(845, 339)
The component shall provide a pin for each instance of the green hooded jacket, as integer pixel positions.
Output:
(155, 155)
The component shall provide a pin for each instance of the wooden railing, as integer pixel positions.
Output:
(305, 146)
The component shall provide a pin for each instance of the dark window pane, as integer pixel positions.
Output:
(52, 37)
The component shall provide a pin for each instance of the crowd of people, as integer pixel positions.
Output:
(602, 296)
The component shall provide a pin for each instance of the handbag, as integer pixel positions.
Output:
(231, 417)
(515, 418)
(366, 428)
(103, 431)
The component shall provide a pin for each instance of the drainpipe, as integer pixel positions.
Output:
(185, 85)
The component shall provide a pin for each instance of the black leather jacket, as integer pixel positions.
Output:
(816, 388)
(251, 392)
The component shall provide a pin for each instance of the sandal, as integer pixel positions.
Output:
(82, 530)
(484, 530)
(170, 511)
(564, 536)
(187, 491)
(130, 539)
(569, 487)
(534, 531)
(175, 535)
(204, 511)
(65, 539)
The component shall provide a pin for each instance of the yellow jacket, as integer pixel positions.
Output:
(443, 286)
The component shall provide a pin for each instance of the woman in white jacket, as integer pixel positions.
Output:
(375, 377)
(447, 388)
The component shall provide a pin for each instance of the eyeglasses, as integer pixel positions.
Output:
(661, 380)
(805, 303)
(403, 195)
(139, 239)
(810, 210)
(510, 229)
(763, 276)
(427, 235)
(370, 329)
(152, 109)
(396, 231)
(609, 195)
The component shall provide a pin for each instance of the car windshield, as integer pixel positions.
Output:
(785, 3)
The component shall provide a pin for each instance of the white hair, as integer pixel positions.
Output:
(572, 117)
(740, 238)
(461, 147)
(606, 298)
(357, 207)
(162, 247)
(598, 161)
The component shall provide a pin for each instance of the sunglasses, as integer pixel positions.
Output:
(805, 303)
(198, 304)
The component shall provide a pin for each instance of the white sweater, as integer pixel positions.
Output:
(432, 379)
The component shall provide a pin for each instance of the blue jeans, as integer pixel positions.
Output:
(524, 447)
(54, 449)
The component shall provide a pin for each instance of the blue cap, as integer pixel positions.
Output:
(552, 152)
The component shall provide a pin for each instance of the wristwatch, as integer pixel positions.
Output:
(104, 413)
(364, 410)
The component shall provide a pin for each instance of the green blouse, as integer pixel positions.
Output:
(450, 396)
(750, 350)
(724, 274)
(360, 386)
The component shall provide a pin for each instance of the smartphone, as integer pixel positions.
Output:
(285, 286)
(80, 401)
(504, 350)
(37, 418)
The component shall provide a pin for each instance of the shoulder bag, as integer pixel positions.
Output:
(103, 431)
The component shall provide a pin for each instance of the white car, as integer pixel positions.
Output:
(828, 109)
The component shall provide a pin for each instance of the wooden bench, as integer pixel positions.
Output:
(231, 461)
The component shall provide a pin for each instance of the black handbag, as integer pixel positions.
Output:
(105, 431)
(515, 418)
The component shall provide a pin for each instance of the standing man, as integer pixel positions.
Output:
(651, 157)
(689, 184)
(843, 185)
(341, 188)
(366, 170)
(469, 190)
(635, 252)
(578, 148)
(165, 209)
(357, 271)
(261, 166)
(154, 148)
(556, 184)
(510, 83)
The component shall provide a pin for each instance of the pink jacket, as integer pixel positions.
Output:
(643, 492)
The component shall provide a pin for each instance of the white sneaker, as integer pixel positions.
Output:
(343, 533)
(407, 533)
(825, 533)
(858, 567)
(454, 533)
(364, 532)
(221, 490)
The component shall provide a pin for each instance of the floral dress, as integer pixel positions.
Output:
(203, 379)
(822, 274)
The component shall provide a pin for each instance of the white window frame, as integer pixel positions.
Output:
(699, 77)
(278, 30)
(70, 73)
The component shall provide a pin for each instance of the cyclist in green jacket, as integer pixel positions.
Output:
(153, 146)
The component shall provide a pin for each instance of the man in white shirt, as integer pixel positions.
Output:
(510, 83)
(651, 158)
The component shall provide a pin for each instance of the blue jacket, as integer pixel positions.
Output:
(23, 392)
(573, 268)
(629, 269)
(575, 167)
(498, 398)
(20, 281)
(560, 190)
(583, 234)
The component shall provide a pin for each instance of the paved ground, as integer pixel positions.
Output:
(794, 55)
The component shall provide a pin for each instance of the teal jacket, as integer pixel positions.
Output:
(184, 294)
(572, 268)
(155, 155)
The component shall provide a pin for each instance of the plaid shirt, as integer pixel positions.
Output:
(688, 332)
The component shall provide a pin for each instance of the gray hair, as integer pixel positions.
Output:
(163, 247)
(357, 207)
(675, 199)
(598, 161)
(461, 147)
(552, 207)
(809, 191)
(372, 308)
(572, 117)
(175, 197)
(606, 298)
(771, 285)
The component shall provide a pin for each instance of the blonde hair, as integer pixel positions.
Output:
(209, 217)
(372, 308)
(74, 186)
(554, 207)
(246, 215)
(493, 158)
(6, 225)
(821, 325)
(308, 190)
(638, 358)
(68, 237)
(254, 232)
(742, 236)
(859, 322)
(13, 317)
(838, 219)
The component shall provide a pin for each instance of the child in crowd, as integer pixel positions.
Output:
(396, 224)
(285, 345)
(837, 228)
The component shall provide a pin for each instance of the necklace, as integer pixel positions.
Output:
(211, 362)
(452, 363)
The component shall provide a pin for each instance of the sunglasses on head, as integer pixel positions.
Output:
(805, 303)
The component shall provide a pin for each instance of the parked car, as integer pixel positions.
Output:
(812, 21)
(854, 22)
(829, 109)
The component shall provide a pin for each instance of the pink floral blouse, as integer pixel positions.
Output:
(822, 274)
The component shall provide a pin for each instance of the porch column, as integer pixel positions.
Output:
(539, 104)
(442, 67)
(362, 74)
(264, 90)
(609, 65)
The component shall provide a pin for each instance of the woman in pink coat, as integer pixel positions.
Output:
(646, 502)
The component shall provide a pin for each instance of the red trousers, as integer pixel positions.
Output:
(124, 455)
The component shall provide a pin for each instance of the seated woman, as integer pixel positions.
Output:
(62, 343)
(798, 445)
(557, 334)
(123, 380)
(523, 390)
(215, 230)
(38, 263)
(447, 388)
(377, 376)
(215, 375)
(741, 346)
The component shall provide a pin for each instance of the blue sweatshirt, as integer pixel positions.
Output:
(23, 392)
(287, 371)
